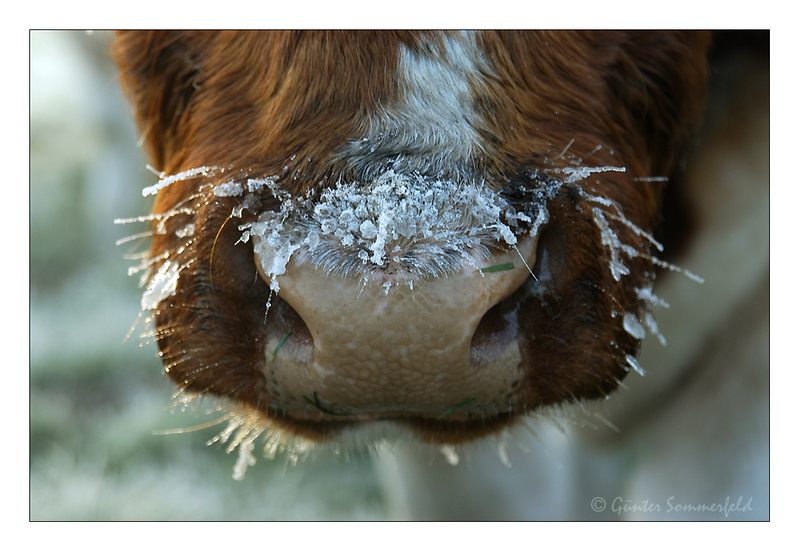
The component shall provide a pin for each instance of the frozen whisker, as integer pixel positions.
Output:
(502, 450)
(576, 174)
(193, 428)
(450, 454)
(652, 326)
(632, 326)
(604, 212)
(651, 179)
(245, 426)
(612, 242)
(137, 255)
(633, 364)
(147, 262)
(245, 460)
(156, 216)
(133, 237)
(638, 231)
(228, 189)
(651, 302)
(133, 327)
(646, 294)
(185, 231)
(674, 268)
(267, 306)
(161, 285)
(185, 175)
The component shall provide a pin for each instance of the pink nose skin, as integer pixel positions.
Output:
(405, 352)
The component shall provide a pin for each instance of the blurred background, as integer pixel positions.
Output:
(96, 399)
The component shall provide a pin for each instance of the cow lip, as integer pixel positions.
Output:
(430, 429)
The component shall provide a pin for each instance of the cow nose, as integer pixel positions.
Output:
(383, 347)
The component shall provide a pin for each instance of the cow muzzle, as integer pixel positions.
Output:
(387, 346)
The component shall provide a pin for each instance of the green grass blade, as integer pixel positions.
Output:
(497, 268)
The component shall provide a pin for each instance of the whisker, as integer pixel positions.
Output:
(525, 263)
(137, 256)
(155, 171)
(196, 427)
(133, 237)
(560, 155)
(133, 326)
(185, 175)
(213, 249)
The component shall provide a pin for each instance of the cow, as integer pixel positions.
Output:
(422, 235)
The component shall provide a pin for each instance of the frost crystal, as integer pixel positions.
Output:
(576, 174)
(186, 231)
(609, 239)
(162, 285)
(228, 189)
(651, 302)
(414, 225)
(185, 175)
(450, 454)
(632, 326)
(245, 460)
(398, 222)
(650, 322)
(634, 364)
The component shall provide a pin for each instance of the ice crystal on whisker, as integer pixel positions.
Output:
(450, 454)
(651, 301)
(171, 179)
(634, 364)
(633, 326)
(185, 231)
(228, 189)
(161, 285)
(612, 242)
(245, 427)
(245, 460)
(577, 174)
(652, 326)
(398, 223)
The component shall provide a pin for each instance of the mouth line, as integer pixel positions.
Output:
(433, 429)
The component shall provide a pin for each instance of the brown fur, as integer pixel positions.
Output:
(250, 101)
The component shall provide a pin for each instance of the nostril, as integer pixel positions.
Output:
(498, 328)
(288, 336)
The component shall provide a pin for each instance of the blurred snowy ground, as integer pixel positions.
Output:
(96, 401)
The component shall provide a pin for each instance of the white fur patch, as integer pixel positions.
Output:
(432, 126)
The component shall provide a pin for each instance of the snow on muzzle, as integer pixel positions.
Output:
(389, 284)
